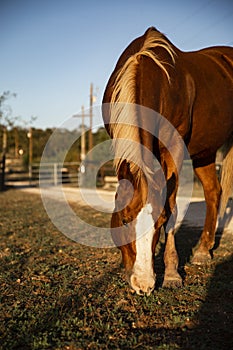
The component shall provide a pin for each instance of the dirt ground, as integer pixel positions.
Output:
(58, 294)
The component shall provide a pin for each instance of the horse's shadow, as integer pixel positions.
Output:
(216, 314)
(212, 326)
(188, 235)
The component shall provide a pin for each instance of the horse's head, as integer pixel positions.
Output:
(135, 224)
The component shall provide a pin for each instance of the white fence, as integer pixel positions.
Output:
(53, 174)
(44, 174)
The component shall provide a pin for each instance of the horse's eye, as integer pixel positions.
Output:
(125, 223)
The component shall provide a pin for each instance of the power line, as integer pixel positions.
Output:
(193, 14)
(205, 29)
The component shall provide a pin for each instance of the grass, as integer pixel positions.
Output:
(58, 294)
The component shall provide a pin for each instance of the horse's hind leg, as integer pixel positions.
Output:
(212, 192)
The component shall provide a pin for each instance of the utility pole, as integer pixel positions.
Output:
(83, 143)
(29, 135)
(90, 136)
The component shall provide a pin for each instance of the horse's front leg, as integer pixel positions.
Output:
(212, 192)
(171, 277)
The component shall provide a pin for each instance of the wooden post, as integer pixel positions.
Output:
(55, 174)
(30, 155)
(4, 140)
(3, 160)
(90, 136)
(83, 146)
(2, 172)
(16, 135)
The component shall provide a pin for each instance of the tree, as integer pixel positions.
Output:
(6, 119)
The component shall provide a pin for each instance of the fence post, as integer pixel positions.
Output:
(2, 173)
(30, 173)
(55, 174)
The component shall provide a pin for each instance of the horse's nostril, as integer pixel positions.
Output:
(145, 292)
(148, 291)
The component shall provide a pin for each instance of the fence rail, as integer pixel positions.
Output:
(68, 173)
(53, 174)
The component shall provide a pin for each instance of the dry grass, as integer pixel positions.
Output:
(57, 294)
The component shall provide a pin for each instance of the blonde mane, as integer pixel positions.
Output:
(123, 122)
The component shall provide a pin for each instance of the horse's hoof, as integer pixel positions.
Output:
(172, 281)
(200, 258)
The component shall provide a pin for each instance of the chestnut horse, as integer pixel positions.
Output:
(193, 92)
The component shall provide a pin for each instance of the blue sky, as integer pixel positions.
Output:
(51, 50)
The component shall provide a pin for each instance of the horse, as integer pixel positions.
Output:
(192, 92)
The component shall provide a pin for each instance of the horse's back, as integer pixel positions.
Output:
(214, 61)
(222, 56)
(211, 70)
(199, 91)
(218, 51)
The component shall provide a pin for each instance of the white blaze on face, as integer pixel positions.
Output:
(143, 277)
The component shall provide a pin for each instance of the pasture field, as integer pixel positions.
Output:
(58, 294)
